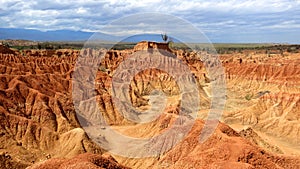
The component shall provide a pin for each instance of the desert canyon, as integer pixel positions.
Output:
(259, 128)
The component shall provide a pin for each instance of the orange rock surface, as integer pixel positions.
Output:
(39, 127)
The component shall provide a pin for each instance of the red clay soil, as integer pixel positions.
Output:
(82, 161)
(6, 50)
(39, 126)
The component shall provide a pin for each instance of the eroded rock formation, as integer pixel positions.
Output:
(39, 126)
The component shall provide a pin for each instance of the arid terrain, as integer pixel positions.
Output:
(39, 128)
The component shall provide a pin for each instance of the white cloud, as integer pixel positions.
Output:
(212, 16)
(291, 24)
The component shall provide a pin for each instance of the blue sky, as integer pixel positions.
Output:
(222, 21)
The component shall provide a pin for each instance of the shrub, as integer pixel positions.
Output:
(248, 97)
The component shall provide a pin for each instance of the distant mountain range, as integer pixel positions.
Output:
(36, 35)
(68, 35)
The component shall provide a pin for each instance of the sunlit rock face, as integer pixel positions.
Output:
(39, 127)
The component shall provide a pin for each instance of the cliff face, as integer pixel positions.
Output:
(267, 89)
(145, 45)
(38, 122)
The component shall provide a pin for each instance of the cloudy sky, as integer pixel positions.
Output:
(222, 21)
